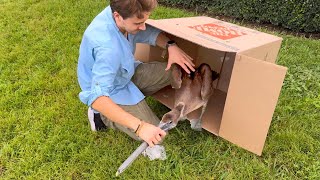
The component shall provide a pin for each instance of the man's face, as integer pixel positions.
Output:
(132, 25)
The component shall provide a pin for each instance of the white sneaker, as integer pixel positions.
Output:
(95, 121)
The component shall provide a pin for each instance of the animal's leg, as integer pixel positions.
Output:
(206, 74)
(176, 76)
(197, 124)
(194, 117)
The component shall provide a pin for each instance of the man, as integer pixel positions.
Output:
(113, 83)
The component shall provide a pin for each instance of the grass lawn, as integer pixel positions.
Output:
(44, 133)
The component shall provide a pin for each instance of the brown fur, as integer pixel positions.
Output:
(191, 91)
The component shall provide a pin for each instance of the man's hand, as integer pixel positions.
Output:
(178, 56)
(151, 134)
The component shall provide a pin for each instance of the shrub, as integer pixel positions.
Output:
(297, 15)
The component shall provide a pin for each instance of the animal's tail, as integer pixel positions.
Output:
(215, 75)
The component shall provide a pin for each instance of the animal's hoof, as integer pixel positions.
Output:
(196, 124)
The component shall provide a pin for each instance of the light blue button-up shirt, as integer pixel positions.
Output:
(106, 61)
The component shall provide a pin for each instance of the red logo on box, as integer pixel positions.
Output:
(217, 31)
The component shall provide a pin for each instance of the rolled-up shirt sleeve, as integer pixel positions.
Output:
(104, 71)
(148, 36)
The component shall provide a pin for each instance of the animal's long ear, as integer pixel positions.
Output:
(179, 111)
(206, 75)
(176, 76)
(180, 107)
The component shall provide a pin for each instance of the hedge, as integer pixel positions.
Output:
(297, 15)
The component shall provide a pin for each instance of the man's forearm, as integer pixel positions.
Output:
(115, 113)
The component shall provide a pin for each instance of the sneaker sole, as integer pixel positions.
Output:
(91, 119)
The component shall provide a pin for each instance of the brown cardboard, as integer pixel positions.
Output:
(220, 35)
(252, 96)
(247, 91)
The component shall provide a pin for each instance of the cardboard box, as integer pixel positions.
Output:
(247, 91)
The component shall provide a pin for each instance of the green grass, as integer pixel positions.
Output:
(44, 133)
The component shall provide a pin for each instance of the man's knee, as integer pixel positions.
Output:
(151, 76)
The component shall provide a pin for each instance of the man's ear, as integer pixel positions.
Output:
(117, 16)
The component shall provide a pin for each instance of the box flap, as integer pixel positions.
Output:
(213, 34)
(267, 52)
(211, 119)
(252, 96)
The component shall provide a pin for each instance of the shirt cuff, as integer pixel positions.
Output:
(88, 97)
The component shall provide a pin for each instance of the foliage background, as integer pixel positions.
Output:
(295, 15)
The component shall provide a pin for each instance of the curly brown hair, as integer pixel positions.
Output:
(129, 8)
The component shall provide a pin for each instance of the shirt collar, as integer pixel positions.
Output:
(111, 19)
(113, 22)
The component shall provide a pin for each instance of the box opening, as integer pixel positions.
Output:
(219, 61)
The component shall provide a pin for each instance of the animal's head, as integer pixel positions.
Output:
(174, 115)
